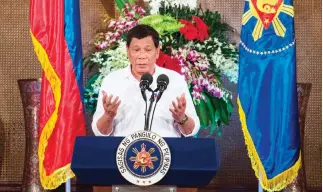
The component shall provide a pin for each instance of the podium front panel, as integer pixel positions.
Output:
(194, 161)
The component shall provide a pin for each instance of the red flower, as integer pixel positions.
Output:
(167, 62)
(202, 28)
(191, 32)
(161, 59)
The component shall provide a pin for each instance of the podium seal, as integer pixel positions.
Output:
(143, 158)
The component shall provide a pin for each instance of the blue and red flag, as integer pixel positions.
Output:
(56, 35)
(267, 91)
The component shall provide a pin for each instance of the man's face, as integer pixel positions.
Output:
(142, 54)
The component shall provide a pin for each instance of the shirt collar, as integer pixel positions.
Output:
(128, 73)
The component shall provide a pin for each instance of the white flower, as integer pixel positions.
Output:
(116, 59)
(218, 51)
(228, 67)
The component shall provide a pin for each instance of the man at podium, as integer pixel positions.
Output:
(121, 106)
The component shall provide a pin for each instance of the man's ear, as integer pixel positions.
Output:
(157, 51)
(127, 48)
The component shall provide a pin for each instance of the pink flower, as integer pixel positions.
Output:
(126, 6)
(102, 45)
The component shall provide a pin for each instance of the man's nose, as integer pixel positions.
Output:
(142, 55)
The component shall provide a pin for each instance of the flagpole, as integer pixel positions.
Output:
(68, 185)
(259, 183)
(259, 187)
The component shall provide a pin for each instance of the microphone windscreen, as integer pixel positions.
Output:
(147, 77)
(162, 79)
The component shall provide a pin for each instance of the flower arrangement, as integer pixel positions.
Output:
(193, 43)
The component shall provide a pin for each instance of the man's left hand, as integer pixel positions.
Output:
(179, 110)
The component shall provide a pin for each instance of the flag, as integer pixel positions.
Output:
(56, 36)
(267, 91)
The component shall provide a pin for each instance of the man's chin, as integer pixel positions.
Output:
(143, 70)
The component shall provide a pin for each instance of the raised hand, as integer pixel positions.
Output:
(110, 105)
(179, 109)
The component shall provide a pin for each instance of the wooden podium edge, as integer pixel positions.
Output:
(109, 189)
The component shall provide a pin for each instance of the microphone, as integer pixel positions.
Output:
(162, 83)
(145, 81)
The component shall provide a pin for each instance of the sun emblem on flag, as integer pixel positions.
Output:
(266, 12)
(143, 158)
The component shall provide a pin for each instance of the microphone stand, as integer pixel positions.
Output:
(152, 117)
(152, 99)
(146, 128)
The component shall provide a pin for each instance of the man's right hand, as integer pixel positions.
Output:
(110, 106)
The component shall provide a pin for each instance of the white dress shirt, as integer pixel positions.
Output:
(131, 112)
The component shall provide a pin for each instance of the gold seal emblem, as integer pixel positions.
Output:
(266, 12)
(143, 158)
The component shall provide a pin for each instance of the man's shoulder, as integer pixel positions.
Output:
(172, 75)
(116, 75)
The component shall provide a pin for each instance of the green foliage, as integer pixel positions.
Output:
(120, 3)
(218, 29)
(163, 24)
